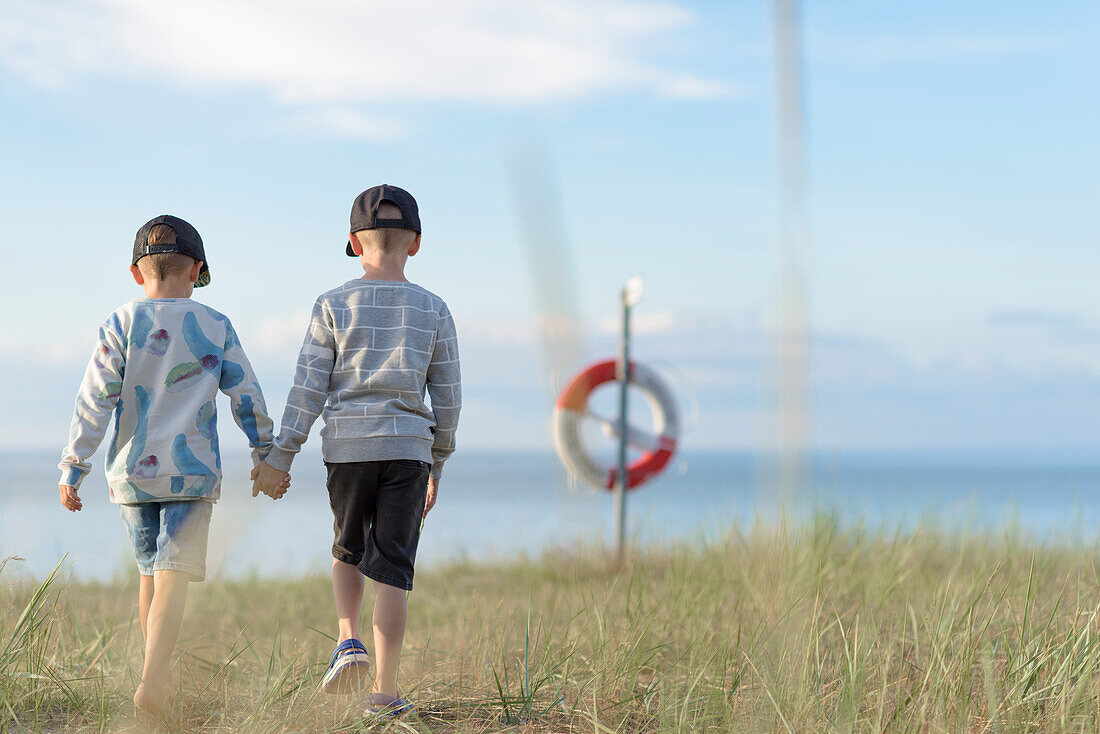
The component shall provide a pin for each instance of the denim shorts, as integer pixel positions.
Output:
(378, 506)
(169, 536)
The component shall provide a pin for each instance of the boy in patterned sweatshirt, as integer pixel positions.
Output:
(373, 346)
(158, 365)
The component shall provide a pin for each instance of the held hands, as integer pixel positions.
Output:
(269, 480)
(433, 490)
(69, 499)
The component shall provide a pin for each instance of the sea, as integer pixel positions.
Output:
(497, 506)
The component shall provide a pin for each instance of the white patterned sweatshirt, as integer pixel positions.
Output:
(370, 352)
(157, 367)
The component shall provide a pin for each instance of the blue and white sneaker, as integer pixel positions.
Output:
(379, 704)
(347, 670)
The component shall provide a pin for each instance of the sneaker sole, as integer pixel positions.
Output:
(390, 712)
(348, 675)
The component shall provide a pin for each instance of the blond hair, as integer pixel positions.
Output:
(387, 240)
(162, 265)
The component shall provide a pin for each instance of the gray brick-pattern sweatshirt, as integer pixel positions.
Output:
(371, 350)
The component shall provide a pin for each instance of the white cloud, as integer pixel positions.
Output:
(346, 122)
(654, 321)
(946, 46)
(282, 335)
(690, 87)
(333, 56)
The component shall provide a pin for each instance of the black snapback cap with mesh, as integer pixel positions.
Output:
(364, 212)
(187, 242)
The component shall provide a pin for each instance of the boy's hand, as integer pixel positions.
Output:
(269, 480)
(69, 499)
(433, 489)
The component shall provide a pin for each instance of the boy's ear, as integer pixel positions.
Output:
(195, 270)
(138, 277)
(356, 246)
(415, 246)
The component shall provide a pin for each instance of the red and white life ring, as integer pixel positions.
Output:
(572, 408)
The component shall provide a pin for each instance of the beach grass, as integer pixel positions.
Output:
(814, 627)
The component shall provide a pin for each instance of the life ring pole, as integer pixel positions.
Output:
(632, 293)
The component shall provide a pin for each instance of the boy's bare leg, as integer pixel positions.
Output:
(347, 588)
(390, 612)
(165, 616)
(145, 600)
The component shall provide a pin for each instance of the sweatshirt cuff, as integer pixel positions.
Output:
(73, 476)
(437, 469)
(260, 453)
(280, 459)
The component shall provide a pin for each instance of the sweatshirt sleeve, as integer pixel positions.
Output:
(310, 390)
(238, 381)
(445, 389)
(95, 401)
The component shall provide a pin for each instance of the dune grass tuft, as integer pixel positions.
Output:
(776, 629)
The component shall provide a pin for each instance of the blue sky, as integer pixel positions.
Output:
(952, 158)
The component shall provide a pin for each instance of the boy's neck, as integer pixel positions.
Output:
(378, 266)
(172, 287)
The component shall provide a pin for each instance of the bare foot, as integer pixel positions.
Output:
(147, 699)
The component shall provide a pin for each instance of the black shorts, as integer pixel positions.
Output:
(378, 506)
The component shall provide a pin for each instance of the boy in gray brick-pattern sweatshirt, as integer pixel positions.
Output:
(373, 347)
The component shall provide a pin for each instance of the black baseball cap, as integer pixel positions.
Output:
(364, 212)
(187, 242)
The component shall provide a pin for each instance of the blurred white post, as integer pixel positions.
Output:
(632, 293)
(550, 263)
(794, 250)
